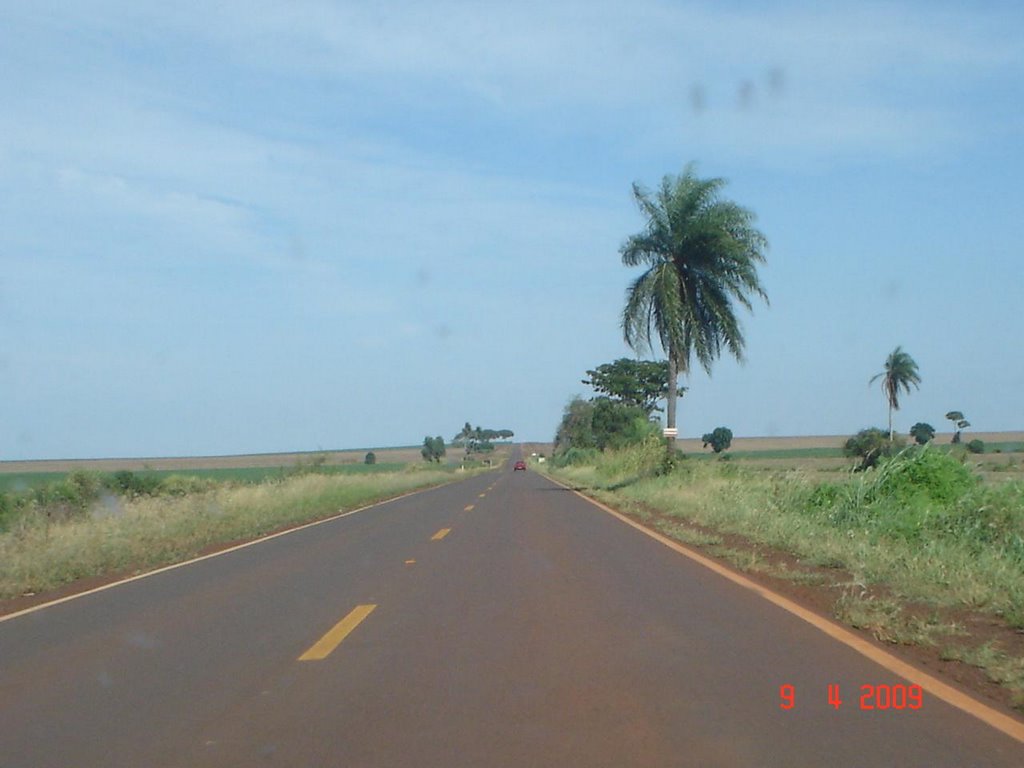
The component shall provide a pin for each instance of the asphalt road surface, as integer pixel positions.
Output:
(498, 621)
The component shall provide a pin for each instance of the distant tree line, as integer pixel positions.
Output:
(478, 439)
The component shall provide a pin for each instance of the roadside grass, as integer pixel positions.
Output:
(999, 666)
(780, 453)
(889, 622)
(39, 552)
(13, 482)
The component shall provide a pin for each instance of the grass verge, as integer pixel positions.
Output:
(138, 533)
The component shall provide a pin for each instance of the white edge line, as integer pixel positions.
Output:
(172, 566)
(953, 696)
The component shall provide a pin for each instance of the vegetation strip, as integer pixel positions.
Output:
(37, 555)
(936, 687)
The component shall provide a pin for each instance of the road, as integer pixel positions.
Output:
(498, 621)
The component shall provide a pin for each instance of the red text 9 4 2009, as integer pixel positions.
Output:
(881, 697)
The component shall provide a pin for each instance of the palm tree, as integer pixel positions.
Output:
(701, 254)
(900, 372)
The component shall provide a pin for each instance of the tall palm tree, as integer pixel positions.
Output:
(701, 253)
(900, 372)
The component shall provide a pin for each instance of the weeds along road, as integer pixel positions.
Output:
(498, 621)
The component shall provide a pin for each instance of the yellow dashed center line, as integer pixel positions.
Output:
(441, 534)
(482, 495)
(323, 647)
(410, 562)
(468, 508)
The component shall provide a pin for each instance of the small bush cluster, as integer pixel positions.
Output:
(870, 445)
(575, 457)
(77, 494)
(129, 483)
(65, 499)
(926, 495)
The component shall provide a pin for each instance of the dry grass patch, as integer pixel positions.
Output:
(37, 555)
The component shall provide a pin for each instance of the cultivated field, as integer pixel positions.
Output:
(399, 455)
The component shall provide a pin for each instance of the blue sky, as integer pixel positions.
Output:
(290, 226)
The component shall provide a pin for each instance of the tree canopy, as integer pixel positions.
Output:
(719, 440)
(639, 383)
(601, 423)
(433, 449)
(478, 440)
(700, 255)
(922, 432)
(899, 373)
(960, 423)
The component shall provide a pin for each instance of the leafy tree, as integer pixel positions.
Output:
(899, 373)
(576, 429)
(601, 423)
(922, 433)
(700, 254)
(464, 435)
(719, 440)
(433, 448)
(370, 458)
(959, 422)
(616, 424)
(869, 445)
(639, 383)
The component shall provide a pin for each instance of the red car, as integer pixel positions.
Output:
(519, 465)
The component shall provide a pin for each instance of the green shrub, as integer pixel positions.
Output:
(825, 496)
(637, 460)
(129, 483)
(929, 473)
(86, 485)
(719, 440)
(181, 485)
(922, 432)
(7, 510)
(370, 458)
(870, 445)
(976, 446)
(575, 457)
